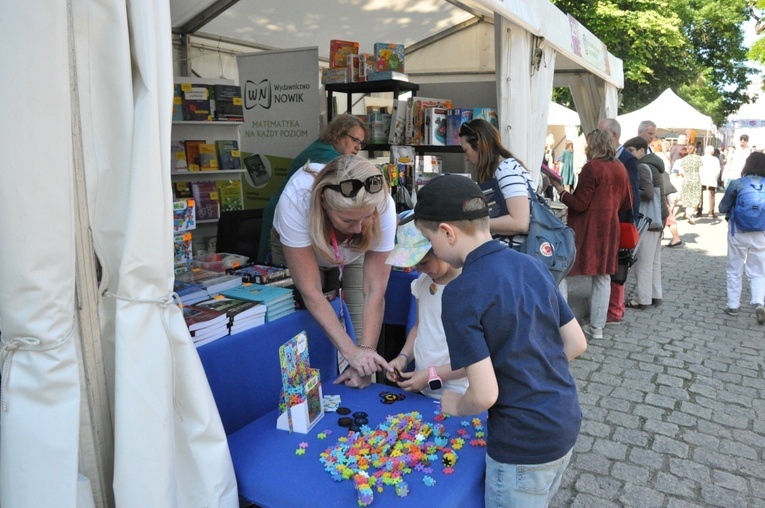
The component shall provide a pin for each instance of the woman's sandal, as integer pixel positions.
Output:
(632, 304)
(672, 244)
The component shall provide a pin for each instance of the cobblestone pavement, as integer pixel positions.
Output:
(673, 398)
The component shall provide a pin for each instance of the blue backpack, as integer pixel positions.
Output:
(549, 240)
(748, 214)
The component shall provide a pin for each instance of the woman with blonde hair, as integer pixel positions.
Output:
(340, 220)
(593, 213)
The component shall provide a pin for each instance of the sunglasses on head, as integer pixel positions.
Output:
(467, 130)
(349, 188)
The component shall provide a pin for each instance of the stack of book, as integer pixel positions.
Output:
(205, 325)
(261, 274)
(213, 282)
(189, 292)
(279, 301)
(242, 315)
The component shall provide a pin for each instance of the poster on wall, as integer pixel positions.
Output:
(281, 97)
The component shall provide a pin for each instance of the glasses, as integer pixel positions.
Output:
(356, 140)
(349, 188)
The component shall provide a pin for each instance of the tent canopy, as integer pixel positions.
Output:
(561, 115)
(670, 113)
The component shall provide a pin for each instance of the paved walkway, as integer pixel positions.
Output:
(674, 398)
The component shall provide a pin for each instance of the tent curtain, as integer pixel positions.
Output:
(594, 98)
(169, 445)
(40, 390)
(101, 69)
(524, 92)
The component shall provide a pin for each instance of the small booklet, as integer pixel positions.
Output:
(493, 194)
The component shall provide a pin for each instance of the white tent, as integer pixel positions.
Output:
(561, 115)
(671, 114)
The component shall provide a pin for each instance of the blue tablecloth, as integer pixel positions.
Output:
(270, 473)
(243, 369)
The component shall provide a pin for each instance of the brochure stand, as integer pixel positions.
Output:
(300, 405)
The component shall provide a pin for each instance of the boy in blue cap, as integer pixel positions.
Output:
(512, 331)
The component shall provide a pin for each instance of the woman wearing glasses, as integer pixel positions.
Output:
(483, 148)
(340, 218)
(344, 135)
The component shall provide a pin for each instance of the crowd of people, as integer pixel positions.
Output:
(493, 329)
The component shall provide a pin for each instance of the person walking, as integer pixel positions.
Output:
(709, 173)
(746, 244)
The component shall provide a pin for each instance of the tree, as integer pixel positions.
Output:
(694, 47)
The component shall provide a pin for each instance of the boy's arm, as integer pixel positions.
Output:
(574, 342)
(481, 394)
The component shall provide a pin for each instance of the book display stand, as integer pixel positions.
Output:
(301, 403)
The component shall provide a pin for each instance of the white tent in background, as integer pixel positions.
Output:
(561, 115)
(671, 114)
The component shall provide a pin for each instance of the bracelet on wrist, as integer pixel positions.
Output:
(368, 347)
(405, 356)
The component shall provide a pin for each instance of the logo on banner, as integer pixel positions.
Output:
(263, 94)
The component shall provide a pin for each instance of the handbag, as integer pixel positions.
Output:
(629, 236)
(653, 209)
(668, 187)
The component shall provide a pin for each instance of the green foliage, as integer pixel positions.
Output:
(694, 47)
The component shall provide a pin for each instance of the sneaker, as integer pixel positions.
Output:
(593, 331)
(760, 310)
(614, 322)
(731, 312)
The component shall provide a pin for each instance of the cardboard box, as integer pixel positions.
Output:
(389, 56)
(339, 51)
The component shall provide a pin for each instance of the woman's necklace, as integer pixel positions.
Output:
(341, 266)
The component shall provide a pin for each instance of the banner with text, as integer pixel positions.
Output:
(281, 116)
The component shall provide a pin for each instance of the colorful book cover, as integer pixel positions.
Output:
(339, 51)
(389, 56)
(230, 195)
(259, 293)
(192, 153)
(228, 154)
(177, 103)
(454, 119)
(234, 309)
(196, 102)
(178, 162)
(182, 251)
(182, 190)
(189, 292)
(184, 215)
(488, 114)
(418, 117)
(367, 66)
(198, 318)
(261, 274)
(208, 157)
(435, 126)
(206, 200)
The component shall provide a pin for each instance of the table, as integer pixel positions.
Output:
(270, 474)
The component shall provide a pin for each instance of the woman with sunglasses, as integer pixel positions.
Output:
(483, 148)
(344, 135)
(340, 220)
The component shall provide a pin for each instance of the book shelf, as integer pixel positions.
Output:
(394, 86)
(210, 132)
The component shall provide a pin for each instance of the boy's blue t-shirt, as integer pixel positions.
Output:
(506, 305)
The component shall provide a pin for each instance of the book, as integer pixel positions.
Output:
(250, 292)
(389, 56)
(227, 104)
(270, 317)
(552, 175)
(213, 282)
(366, 66)
(207, 335)
(497, 205)
(184, 215)
(178, 162)
(182, 253)
(236, 310)
(192, 153)
(339, 51)
(177, 103)
(414, 131)
(247, 324)
(198, 318)
(182, 190)
(208, 157)
(195, 102)
(206, 200)
(488, 114)
(228, 154)
(189, 292)
(260, 274)
(397, 122)
(435, 126)
(229, 194)
(455, 117)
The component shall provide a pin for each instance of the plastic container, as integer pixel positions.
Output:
(219, 261)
